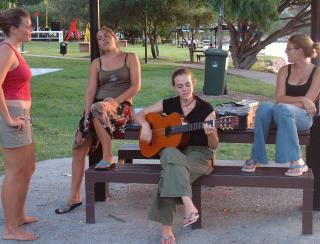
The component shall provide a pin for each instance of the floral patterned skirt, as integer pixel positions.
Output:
(113, 116)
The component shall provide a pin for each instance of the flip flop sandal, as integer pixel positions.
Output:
(192, 218)
(102, 165)
(302, 168)
(67, 208)
(249, 166)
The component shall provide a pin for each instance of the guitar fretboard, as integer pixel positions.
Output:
(187, 127)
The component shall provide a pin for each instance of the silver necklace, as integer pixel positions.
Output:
(186, 105)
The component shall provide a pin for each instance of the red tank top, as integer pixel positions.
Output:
(16, 85)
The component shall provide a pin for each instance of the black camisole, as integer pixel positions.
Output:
(298, 90)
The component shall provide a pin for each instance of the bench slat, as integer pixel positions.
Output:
(272, 177)
(234, 136)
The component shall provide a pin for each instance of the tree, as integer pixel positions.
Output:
(61, 10)
(250, 20)
(130, 14)
(194, 15)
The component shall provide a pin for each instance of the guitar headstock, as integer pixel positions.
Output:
(227, 122)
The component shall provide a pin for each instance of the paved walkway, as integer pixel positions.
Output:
(230, 214)
(265, 77)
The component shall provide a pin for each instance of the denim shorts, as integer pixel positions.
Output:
(11, 137)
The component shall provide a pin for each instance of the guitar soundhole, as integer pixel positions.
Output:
(167, 131)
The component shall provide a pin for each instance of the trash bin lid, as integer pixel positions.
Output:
(216, 52)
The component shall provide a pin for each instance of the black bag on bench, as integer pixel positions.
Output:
(245, 110)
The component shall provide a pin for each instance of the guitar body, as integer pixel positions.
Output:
(160, 138)
(171, 131)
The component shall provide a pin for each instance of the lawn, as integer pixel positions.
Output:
(58, 99)
(167, 52)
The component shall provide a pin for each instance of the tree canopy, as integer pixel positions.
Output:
(254, 24)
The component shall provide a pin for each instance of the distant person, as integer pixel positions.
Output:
(15, 124)
(297, 89)
(179, 168)
(114, 78)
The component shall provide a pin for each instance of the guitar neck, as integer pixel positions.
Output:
(188, 127)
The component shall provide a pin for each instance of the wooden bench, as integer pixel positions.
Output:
(199, 56)
(221, 176)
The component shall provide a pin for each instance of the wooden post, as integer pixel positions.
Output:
(95, 156)
(94, 27)
(313, 155)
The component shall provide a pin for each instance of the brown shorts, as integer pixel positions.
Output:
(11, 137)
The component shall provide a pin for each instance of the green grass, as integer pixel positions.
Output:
(167, 51)
(58, 97)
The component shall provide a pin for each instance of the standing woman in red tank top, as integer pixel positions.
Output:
(15, 124)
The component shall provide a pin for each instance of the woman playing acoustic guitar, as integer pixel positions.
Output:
(181, 167)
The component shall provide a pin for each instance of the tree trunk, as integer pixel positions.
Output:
(190, 47)
(152, 46)
(157, 49)
(244, 61)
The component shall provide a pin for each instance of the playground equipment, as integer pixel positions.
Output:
(85, 46)
(87, 34)
(73, 29)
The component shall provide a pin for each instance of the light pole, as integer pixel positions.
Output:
(145, 34)
(46, 5)
(220, 26)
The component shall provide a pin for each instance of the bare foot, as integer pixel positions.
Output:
(18, 234)
(28, 220)
(167, 236)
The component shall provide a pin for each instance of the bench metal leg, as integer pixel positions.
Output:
(307, 215)
(196, 198)
(107, 193)
(90, 201)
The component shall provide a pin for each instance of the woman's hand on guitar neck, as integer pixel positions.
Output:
(209, 129)
(145, 133)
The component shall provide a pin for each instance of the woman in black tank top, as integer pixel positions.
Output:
(180, 167)
(114, 78)
(298, 87)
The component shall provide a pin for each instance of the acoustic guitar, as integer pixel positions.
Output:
(172, 131)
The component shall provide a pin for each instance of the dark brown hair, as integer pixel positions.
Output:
(12, 18)
(310, 49)
(183, 71)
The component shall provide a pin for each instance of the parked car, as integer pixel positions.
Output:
(206, 44)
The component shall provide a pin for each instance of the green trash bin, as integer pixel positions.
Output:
(214, 71)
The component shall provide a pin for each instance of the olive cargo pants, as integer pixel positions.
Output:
(178, 170)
